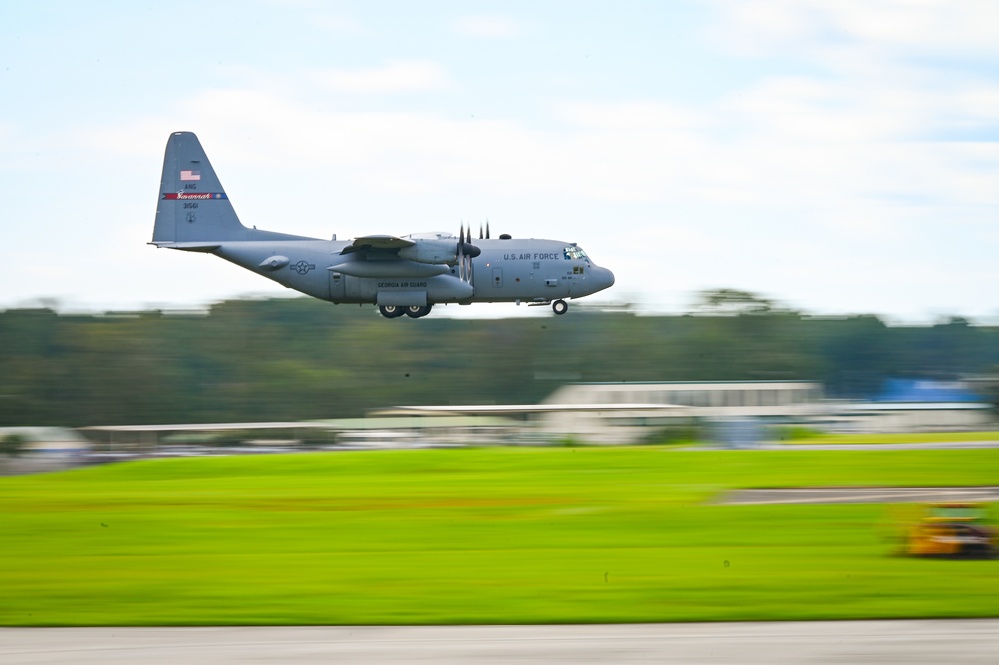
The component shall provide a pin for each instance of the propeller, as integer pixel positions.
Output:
(487, 231)
(465, 252)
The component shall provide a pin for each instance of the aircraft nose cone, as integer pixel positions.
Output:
(604, 278)
(598, 279)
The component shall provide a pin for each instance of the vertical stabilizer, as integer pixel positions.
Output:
(192, 205)
(193, 211)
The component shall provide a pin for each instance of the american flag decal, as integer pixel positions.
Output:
(190, 175)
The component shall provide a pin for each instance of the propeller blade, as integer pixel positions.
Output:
(487, 229)
(460, 252)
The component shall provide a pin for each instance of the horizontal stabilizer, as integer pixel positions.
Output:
(189, 246)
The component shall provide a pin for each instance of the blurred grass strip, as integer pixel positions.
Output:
(475, 536)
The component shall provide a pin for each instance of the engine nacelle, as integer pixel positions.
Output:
(437, 250)
(431, 251)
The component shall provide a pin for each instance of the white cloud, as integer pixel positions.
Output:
(938, 26)
(635, 116)
(955, 27)
(788, 143)
(487, 27)
(394, 77)
(338, 25)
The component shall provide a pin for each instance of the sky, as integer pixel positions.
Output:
(837, 156)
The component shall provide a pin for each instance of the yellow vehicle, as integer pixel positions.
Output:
(953, 530)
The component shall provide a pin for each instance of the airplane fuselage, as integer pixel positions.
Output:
(506, 270)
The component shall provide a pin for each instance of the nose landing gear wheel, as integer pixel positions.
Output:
(391, 311)
(560, 307)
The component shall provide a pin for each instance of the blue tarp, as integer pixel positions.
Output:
(926, 390)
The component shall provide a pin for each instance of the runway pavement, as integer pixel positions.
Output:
(860, 495)
(913, 641)
(939, 445)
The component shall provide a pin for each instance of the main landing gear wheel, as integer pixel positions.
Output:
(416, 311)
(560, 307)
(391, 311)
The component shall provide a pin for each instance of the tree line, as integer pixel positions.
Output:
(299, 358)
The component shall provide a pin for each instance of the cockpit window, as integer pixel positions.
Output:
(574, 252)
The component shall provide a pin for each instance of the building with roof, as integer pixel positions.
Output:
(917, 405)
(719, 405)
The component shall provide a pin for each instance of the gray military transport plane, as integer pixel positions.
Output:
(401, 275)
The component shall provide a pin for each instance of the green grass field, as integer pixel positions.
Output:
(499, 535)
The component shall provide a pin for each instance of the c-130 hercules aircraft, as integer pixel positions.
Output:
(401, 275)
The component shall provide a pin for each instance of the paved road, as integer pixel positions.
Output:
(861, 495)
(939, 445)
(917, 641)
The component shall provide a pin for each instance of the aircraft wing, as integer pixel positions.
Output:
(391, 256)
(388, 243)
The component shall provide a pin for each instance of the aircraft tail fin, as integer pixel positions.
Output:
(193, 211)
